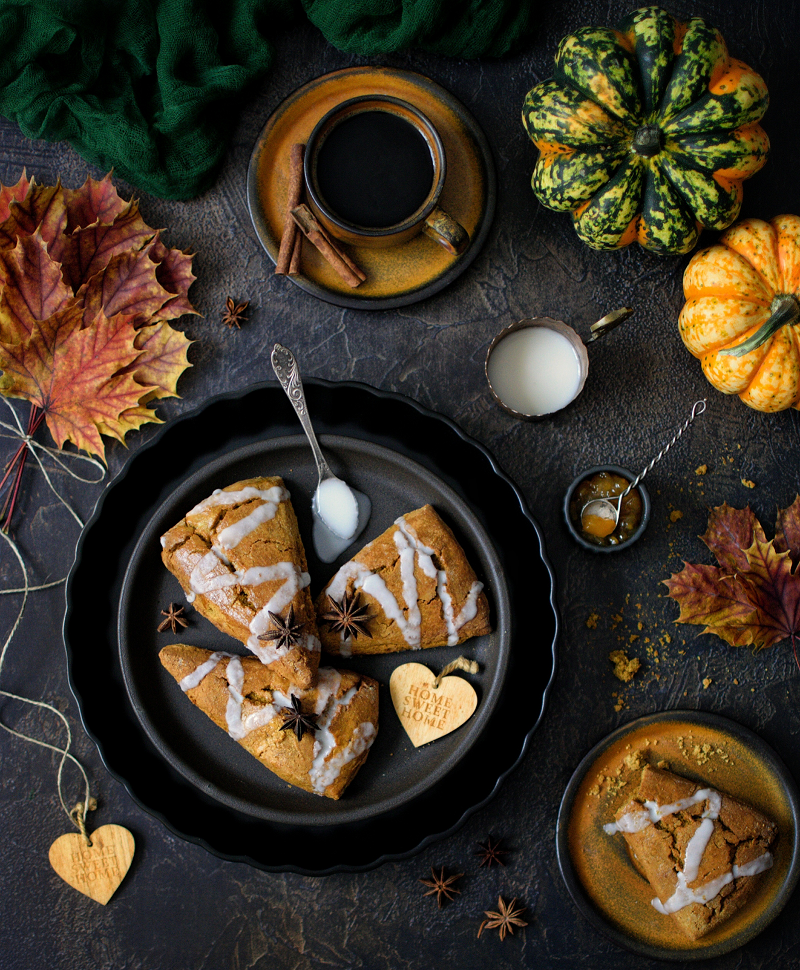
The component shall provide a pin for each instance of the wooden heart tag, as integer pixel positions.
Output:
(95, 870)
(428, 710)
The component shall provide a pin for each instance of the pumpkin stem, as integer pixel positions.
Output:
(785, 310)
(647, 141)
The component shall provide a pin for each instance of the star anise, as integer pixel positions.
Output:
(174, 618)
(287, 633)
(295, 720)
(441, 885)
(505, 919)
(233, 313)
(490, 853)
(347, 617)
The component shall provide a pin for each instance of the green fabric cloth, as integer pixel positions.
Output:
(454, 28)
(148, 87)
(151, 87)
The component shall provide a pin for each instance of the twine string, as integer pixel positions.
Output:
(460, 663)
(78, 813)
(64, 752)
(37, 451)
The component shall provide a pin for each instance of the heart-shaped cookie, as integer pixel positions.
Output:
(95, 870)
(427, 712)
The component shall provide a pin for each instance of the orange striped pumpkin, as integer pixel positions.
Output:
(742, 312)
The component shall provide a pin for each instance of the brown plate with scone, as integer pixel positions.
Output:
(677, 835)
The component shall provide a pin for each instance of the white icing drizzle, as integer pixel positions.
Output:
(321, 774)
(192, 680)
(371, 583)
(683, 896)
(361, 741)
(263, 714)
(698, 842)
(327, 763)
(447, 607)
(653, 812)
(231, 536)
(239, 724)
(293, 582)
(412, 553)
(695, 849)
(408, 551)
(234, 674)
(219, 496)
(423, 552)
(202, 581)
(470, 608)
(258, 717)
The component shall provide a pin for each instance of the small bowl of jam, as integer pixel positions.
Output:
(606, 482)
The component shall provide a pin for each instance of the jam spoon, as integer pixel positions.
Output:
(599, 517)
(340, 512)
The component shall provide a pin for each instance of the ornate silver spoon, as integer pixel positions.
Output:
(340, 512)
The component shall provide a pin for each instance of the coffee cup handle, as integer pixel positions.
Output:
(446, 231)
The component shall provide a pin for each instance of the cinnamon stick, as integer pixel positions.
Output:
(359, 272)
(287, 247)
(297, 251)
(305, 219)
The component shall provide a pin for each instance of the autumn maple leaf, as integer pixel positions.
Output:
(87, 290)
(75, 380)
(752, 598)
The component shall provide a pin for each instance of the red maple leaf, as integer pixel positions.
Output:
(752, 598)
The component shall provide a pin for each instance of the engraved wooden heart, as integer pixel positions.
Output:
(427, 712)
(95, 870)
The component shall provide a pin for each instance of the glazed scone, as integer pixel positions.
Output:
(700, 850)
(239, 557)
(245, 698)
(415, 586)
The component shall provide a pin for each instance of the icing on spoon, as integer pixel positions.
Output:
(340, 512)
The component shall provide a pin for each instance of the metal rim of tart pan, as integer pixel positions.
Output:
(766, 769)
(92, 627)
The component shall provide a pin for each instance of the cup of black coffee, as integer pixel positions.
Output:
(374, 170)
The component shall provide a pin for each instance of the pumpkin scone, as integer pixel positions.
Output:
(410, 588)
(239, 557)
(700, 850)
(316, 739)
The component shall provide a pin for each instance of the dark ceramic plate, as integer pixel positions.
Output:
(596, 868)
(399, 275)
(395, 772)
(148, 743)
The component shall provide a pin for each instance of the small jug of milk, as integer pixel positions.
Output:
(537, 367)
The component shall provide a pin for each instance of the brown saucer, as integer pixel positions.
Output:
(596, 867)
(405, 273)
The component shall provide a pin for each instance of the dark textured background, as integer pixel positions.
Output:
(180, 906)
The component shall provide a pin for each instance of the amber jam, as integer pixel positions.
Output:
(592, 528)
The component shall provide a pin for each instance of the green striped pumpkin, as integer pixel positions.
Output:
(646, 133)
